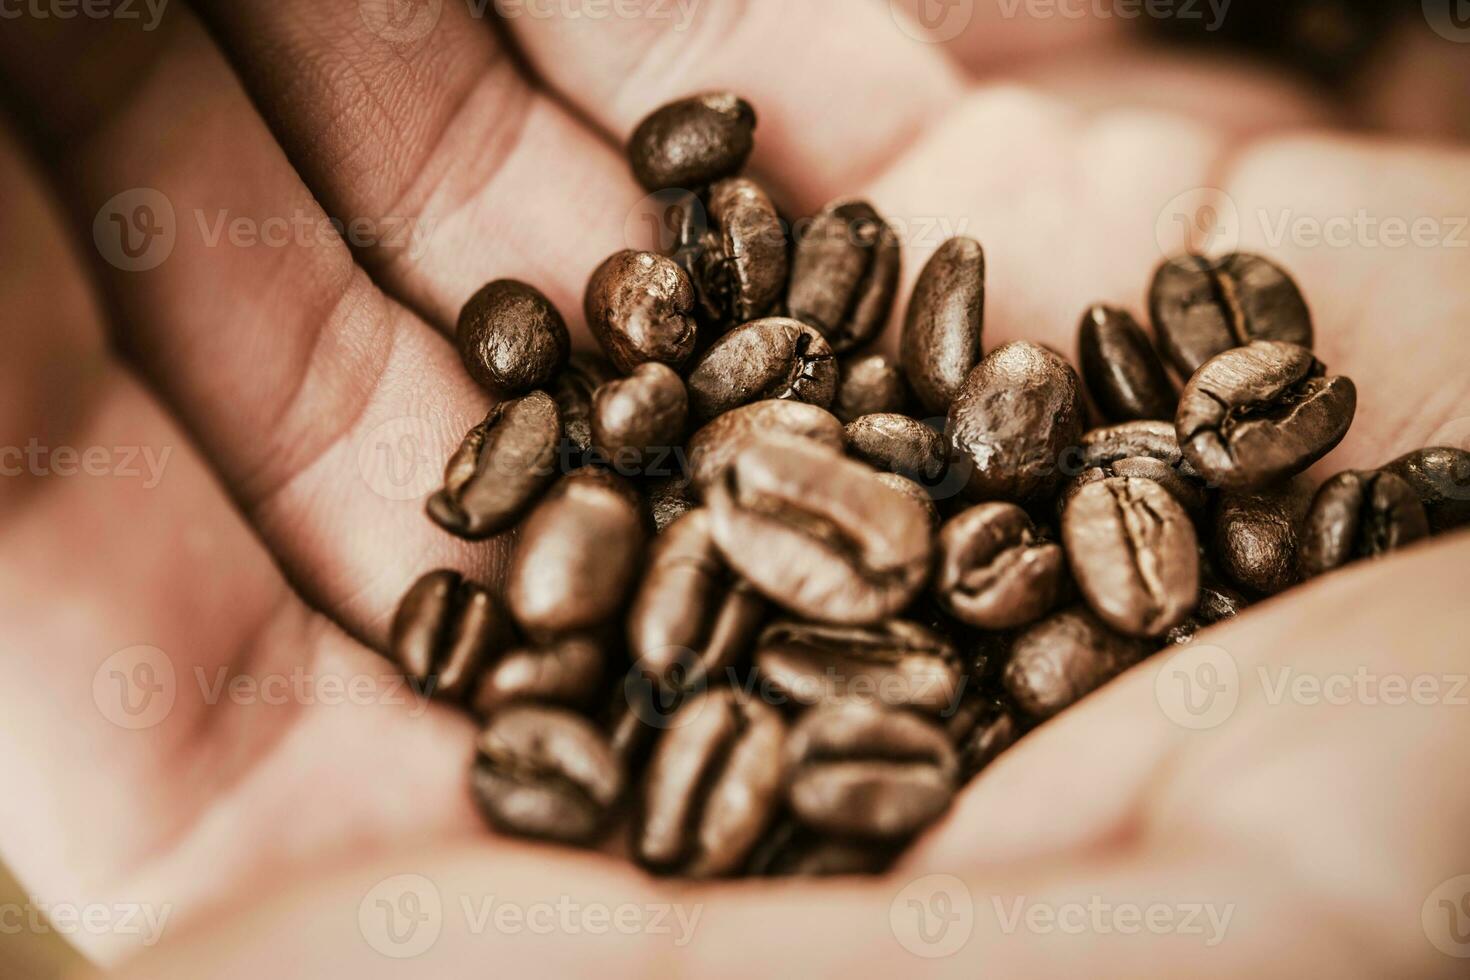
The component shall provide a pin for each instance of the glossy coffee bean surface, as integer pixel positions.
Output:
(511, 338)
(943, 326)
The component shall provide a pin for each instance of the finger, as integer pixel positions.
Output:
(987, 38)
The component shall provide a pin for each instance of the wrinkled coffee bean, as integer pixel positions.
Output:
(844, 273)
(501, 467)
(1217, 603)
(693, 142)
(898, 444)
(713, 785)
(1122, 372)
(639, 306)
(1063, 658)
(791, 850)
(1014, 417)
(914, 492)
(1134, 554)
(637, 419)
(942, 329)
(859, 770)
(573, 391)
(545, 773)
(666, 500)
(446, 630)
(817, 534)
(1255, 415)
(1146, 449)
(868, 384)
(737, 258)
(1359, 515)
(1203, 307)
(1257, 534)
(1441, 478)
(712, 448)
(774, 358)
(511, 338)
(567, 672)
(995, 571)
(898, 664)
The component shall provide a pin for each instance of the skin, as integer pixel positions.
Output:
(268, 370)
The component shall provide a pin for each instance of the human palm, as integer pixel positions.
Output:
(276, 370)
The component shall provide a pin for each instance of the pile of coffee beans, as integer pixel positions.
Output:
(774, 598)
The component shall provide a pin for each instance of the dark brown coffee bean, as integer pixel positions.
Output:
(941, 332)
(447, 629)
(692, 617)
(818, 535)
(573, 391)
(1359, 515)
(501, 467)
(898, 664)
(868, 384)
(1258, 414)
(1134, 555)
(1441, 478)
(790, 850)
(712, 448)
(1257, 535)
(666, 500)
(1145, 449)
(995, 571)
(693, 142)
(636, 420)
(566, 673)
(898, 444)
(1203, 307)
(1123, 374)
(577, 556)
(1012, 420)
(736, 258)
(1217, 603)
(983, 728)
(859, 770)
(640, 306)
(545, 773)
(774, 358)
(1064, 658)
(914, 492)
(511, 338)
(844, 273)
(712, 787)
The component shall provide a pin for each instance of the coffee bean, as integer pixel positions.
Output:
(844, 273)
(1123, 374)
(1441, 478)
(737, 257)
(1217, 603)
(1134, 554)
(774, 358)
(942, 329)
(693, 142)
(1255, 415)
(639, 306)
(1015, 415)
(914, 492)
(692, 617)
(1257, 534)
(790, 850)
(713, 447)
(577, 556)
(995, 571)
(446, 630)
(573, 391)
(1359, 515)
(636, 420)
(1063, 658)
(666, 500)
(898, 664)
(988, 728)
(898, 444)
(1203, 307)
(868, 384)
(1146, 449)
(818, 535)
(511, 338)
(713, 785)
(565, 673)
(859, 770)
(501, 467)
(545, 773)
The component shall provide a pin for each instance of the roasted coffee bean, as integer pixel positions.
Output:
(844, 273)
(1123, 374)
(790, 850)
(868, 384)
(1255, 415)
(995, 571)
(898, 444)
(1134, 554)
(1257, 535)
(1441, 478)
(666, 500)
(573, 391)
(1146, 449)
(693, 142)
(692, 616)
(640, 306)
(1217, 603)
(567, 673)
(712, 787)
(1063, 658)
(447, 629)
(713, 447)
(637, 420)
(914, 492)
(858, 770)
(988, 730)
(501, 467)
(737, 257)
(818, 535)
(774, 358)
(1359, 515)
(1011, 421)
(898, 664)
(577, 556)
(511, 338)
(545, 773)
(941, 332)
(1203, 307)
